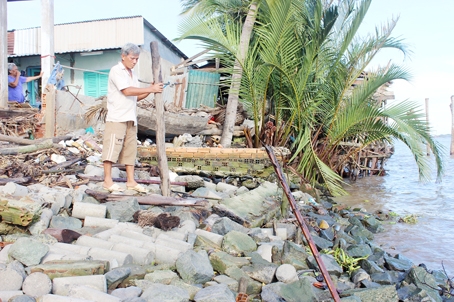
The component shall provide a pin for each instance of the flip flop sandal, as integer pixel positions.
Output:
(114, 188)
(138, 188)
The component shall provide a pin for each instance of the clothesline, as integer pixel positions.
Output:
(80, 69)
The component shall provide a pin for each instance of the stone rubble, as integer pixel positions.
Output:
(240, 233)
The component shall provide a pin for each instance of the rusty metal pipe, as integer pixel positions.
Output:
(302, 224)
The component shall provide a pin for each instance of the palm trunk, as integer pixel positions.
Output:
(232, 103)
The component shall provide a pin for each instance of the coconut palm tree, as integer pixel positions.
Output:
(236, 8)
(300, 69)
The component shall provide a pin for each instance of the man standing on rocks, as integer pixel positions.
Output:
(120, 135)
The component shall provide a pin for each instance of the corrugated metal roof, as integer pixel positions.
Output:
(87, 36)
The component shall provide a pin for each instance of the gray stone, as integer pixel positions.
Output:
(321, 243)
(351, 299)
(398, 264)
(382, 278)
(193, 181)
(253, 287)
(162, 276)
(215, 293)
(168, 293)
(277, 292)
(369, 284)
(422, 279)
(271, 292)
(405, 292)
(286, 273)
(122, 211)
(22, 298)
(37, 285)
(379, 294)
(116, 276)
(18, 267)
(371, 267)
(254, 207)
(70, 223)
(90, 199)
(128, 293)
(221, 261)
(263, 272)
(195, 267)
(331, 265)
(10, 280)
(361, 232)
(359, 250)
(230, 282)
(360, 275)
(237, 243)
(294, 255)
(28, 251)
(373, 225)
(224, 225)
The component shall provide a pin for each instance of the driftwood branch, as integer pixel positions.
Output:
(140, 181)
(27, 149)
(22, 141)
(153, 199)
(19, 180)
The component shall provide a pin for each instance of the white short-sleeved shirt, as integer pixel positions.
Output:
(121, 108)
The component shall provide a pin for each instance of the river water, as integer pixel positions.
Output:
(430, 240)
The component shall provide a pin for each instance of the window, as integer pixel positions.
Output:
(95, 84)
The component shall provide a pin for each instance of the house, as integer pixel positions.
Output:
(87, 50)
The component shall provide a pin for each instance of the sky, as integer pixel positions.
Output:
(425, 26)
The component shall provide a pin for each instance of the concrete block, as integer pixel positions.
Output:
(73, 248)
(123, 239)
(62, 286)
(84, 209)
(15, 190)
(140, 256)
(99, 222)
(215, 238)
(163, 254)
(5, 295)
(94, 242)
(58, 298)
(85, 292)
(136, 235)
(50, 256)
(173, 243)
(103, 254)
(37, 285)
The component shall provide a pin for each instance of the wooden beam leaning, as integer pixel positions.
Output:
(302, 224)
(160, 121)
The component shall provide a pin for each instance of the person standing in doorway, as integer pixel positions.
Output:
(15, 82)
(120, 134)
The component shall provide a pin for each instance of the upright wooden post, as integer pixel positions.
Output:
(3, 56)
(427, 119)
(452, 125)
(160, 121)
(47, 64)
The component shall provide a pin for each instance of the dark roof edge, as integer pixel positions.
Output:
(164, 39)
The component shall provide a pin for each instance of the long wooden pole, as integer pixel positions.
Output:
(302, 224)
(160, 122)
(427, 119)
(3, 56)
(452, 125)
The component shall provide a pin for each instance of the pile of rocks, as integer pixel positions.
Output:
(206, 256)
